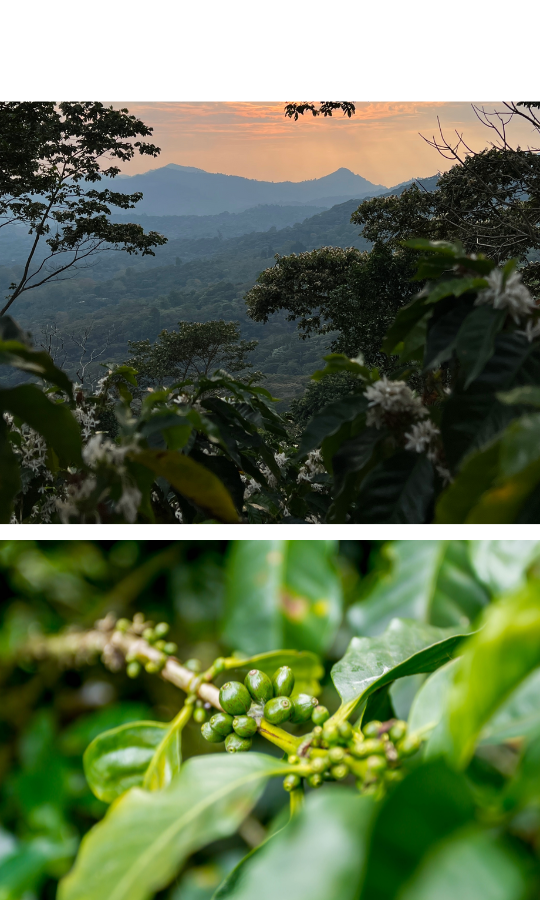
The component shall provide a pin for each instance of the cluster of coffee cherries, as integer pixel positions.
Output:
(262, 697)
(153, 634)
(372, 755)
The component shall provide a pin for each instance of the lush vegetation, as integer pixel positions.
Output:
(295, 718)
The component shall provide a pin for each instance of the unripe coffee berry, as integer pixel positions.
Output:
(371, 730)
(152, 668)
(161, 629)
(235, 698)
(340, 771)
(133, 669)
(367, 748)
(170, 648)
(345, 732)
(219, 665)
(245, 726)
(293, 759)
(319, 715)
(315, 781)
(376, 764)
(336, 754)
(149, 634)
(222, 723)
(278, 710)
(199, 715)
(408, 745)
(330, 733)
(283, 681)
(123, 625)
(194, 665)
(397, 731)
(259, 686)
(160, 645)
(236, 744)
(210, 734)
(291, 782)
(302, 708)
(319, 764)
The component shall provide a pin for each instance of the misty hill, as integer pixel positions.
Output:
(184, 190)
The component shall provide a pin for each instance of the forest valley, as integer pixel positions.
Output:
(420, 336)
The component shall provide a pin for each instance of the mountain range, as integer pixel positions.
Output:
(175, 190)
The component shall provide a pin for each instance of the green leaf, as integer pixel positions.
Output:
(476, 475)
(24, 870)
(329, 420)
(192, 480)
(405, 321)
(406, 648)
(319, 855)
(167, 759)
(14, 353)
(282, 593)
(429, 703)
(524, 787)
(338, 362)
(524, 395)
(473, 865)
(431, 581)
(306, 666)
(399, 490)
(10, 478)
(519, 715)
(145, 837)
(118, 759)
(54, 421)
(431, 803)
(495, 661)
(475, 342)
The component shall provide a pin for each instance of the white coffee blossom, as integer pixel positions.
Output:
(387, 398)
(128, 504)
(510, 294)
(312, 467)
(531, 330)
(420, 436)
(87, 420)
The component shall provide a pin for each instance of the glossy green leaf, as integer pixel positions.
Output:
(494, 662)
(192, 480)
(118, 759)
(54, 421)
(475, 342)
(473, 865)
(282, 593)
(405, 321)
(228, 887)
(475, 476)
(14, 353)
(523, 789)
(431, 803)
(519, 715)
(167, 759)
(329, 420)
(502, 565)
(145, 837)
(319, 855)
(431, 581)
(406, 648)
(399, 490)
(24, 870)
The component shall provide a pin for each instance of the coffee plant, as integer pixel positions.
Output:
(405, 735)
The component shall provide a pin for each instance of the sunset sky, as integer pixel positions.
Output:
(381, 142)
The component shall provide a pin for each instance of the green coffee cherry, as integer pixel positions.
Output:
(291, 782)
(278, 710)
(409, 745)
(371, 730)
(340, 771)
(303, 705)
(397, 731)
(319, 715)
(222, 723)
(245, 726)
(161, 629)
(148, 635)
(123, 625)
(315, 780)
(219, 665)
(236, 744)
(199, 715)
(259, 686)
(336, 754)
(367, 748)
(345, 732)
(210, 734)
(376, 764)
(160, 645)
(194, 665)
(153, 668)
(293, 760)
(234, 698)
(330, 733)
(283, 681)
(317, 734)
(133, 669)
(170, 648)
(319, 764)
